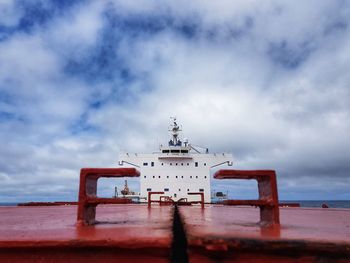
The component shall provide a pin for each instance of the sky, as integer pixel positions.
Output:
(82, 81)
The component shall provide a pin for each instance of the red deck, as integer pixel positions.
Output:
(127, 232)
(137, 233)
(232, 233)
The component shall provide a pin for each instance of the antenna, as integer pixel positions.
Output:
(175, 129)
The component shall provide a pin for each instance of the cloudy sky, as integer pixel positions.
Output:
(81, 81)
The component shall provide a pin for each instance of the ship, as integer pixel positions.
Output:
(178, 222)
(177, 169)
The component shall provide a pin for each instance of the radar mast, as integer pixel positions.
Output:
(174, 130)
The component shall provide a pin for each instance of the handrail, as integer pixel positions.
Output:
(268, 195)
(88, 189)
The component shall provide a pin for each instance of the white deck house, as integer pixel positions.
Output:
(177, 169)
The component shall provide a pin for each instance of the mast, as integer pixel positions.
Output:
(175, 130)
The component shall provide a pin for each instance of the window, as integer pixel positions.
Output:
(191, 176)
(174, 195)
(165, 151)
(196, 164)
(182, 164)
(188, 164)
(159, 176)
(166, 189)
(162, 163)
(152, 164)
(154, 176)
(149, 189)
(196, 176)
(179, 190)
(145, 164)
(171, 164)
(182, 177)
(205, 176)
(176, 176)
(188, 190)
(201, 190)
(205, 164)
(175, 151)
(184, 151)
(176, 164)
(167, 176)
(144, 177)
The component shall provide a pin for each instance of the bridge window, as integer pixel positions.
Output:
(145, 164)
(196, 164)
(149, 189)
(166, 189)
(165, 151)
(201, 190)
(175, 151)
(184, 151)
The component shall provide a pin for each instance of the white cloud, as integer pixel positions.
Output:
(266, 81)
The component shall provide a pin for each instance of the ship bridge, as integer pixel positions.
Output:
(177, 169)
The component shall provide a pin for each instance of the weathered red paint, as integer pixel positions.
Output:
(225, 233)
(88, 190)
(129, 232)
(268, 196)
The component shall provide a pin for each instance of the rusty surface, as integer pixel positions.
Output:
(88, 200)
(267, 187)
(234, 233)
(51, 234)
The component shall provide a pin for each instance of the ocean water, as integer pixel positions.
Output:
(318, 203)
(303, 203)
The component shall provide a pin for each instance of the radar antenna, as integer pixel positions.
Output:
(175, 129)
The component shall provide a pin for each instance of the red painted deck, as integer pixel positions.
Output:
(128, 231)
(137, 233)
(232, 233)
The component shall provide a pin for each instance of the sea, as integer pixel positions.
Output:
(303, 203)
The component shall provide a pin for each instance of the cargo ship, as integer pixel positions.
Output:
(177, 222)
(176, 169)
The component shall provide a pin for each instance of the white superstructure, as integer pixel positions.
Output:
(176, 169)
